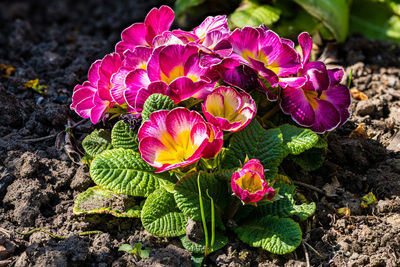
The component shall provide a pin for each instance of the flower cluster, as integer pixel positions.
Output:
(220, 68)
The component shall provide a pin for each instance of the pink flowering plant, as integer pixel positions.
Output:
(218, 115)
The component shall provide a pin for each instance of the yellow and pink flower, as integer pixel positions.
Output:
(249, 184)
(229, 109)
(172, 139)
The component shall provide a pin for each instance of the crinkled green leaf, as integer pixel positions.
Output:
(277, 235)
(253, 15)
(375, 20)
(123, 171)
(322, 142)
(97, 142)
(156, 102)
(286, 206)
(334, 14)
(199, 247)
(122, 136)
(96, 200)
(311, 159)
(161, 216)
(297, 140)
(187, 196)
(256, 143)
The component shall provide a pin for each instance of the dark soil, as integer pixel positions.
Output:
(56, 41)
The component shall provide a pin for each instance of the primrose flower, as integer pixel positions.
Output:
(93, 98)
(228, 109)
(142, 34)
(272, 57)
(215, 141)
(171, 139)
(322, 103)
(249, 183)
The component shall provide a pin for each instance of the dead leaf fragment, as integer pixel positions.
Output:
(344, 211)
(367, 200)
(358, 95)
(359, 133)
(34, 84)
(7, 70)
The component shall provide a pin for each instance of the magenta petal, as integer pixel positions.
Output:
(267, 74)
(327, 117)
(215, 142)
(255, 165)
(137, 58)
(288, 42)
(155, 126)
(173, 56)
(339, 96)
(335, 76)
(199, 133)
(288, 61)
(144, 93)
(84, 106)
(295, 103)
(93, 75)
(305, 43)
(184, 88)
(157, 22)
(82, 92)
(218, 23)
(137, 79)
(318, 78)
(292, 81)
(131, 37)
(245, 39)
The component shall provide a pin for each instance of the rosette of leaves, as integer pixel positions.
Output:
(169, 201)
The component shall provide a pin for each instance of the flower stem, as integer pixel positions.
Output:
(212, 222)
(203, 218)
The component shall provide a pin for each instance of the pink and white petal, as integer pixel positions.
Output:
(93, 74)
(305, 43)
(144, 93)
(288, 42)
(119, 87)
(219, 23)
(195, 157)
(192, 67)
(155, 127)
(295, 103)
(168, 38)
(84, 106)
(137, 79)
(173, 56)
(213, 38)
(82, 92)
(199, 133)
(233, 101)
(153, 65)
(271, 45)
(223, 48)
(149, 148)
(288, 61)
(184, 36)
(181, 119)
(157, 22)
(327, 117)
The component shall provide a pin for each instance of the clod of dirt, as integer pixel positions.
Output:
(169, 257)
(194, 230)
(81, 180)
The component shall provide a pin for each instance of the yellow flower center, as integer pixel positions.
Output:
(176, 72)
(177, 150)
(311, 95)
(250, 182)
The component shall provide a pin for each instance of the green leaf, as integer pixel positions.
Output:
(126, 248)
(297, 140)
(256, 143)
(311, 159)
(97, 142)
(286, 206)
(253, 15)
(334, 14)
(182, 5)
(277, 235)
(322, 142)
(199, 247)
(375, 20)
(156, 102)
(187, 196)
(161, 216)
(124, 172)
(123, 137)
(96, 200)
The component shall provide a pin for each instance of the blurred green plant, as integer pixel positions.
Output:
(327, 19)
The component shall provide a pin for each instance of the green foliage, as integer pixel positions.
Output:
(135, 250)
(97, 142)
(286, 206)
(255, 142)
(123, 171)
(311, 159)
(96, 200)
(334, 14)
(183, 5)
(253, 14)
(376, 19)
(156, 102)
(297, 140)
(161, 216)
(199, 247)
(123, 137)
(187, 196)
(277, 235)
